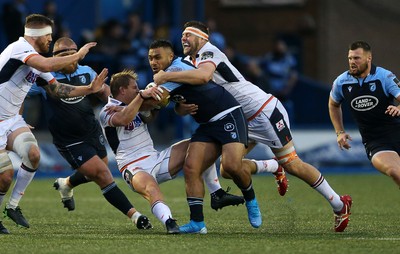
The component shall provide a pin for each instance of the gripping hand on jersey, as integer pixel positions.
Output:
(159, 78)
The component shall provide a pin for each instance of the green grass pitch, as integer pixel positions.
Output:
(300, 222)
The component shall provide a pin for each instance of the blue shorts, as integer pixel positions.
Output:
(79, 153)
(374, 147)
(230, 129)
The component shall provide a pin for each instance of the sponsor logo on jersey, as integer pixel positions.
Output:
(364, 103)
(206, 55)
(73, 100)
(372, 87)
(280, 125)
(134, 124)
(229, 127)
(174, 68)
(349, 88)
(31, 77)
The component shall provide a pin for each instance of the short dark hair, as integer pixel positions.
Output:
(360, 44)
(36, 20)
(198, 25)
(161, 43)
(121, 79)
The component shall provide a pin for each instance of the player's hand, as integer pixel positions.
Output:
(113, 108)
(154, 92)
(392, 111)
(186, 109)
(342, 141)
(85, 49)
(159, 77)
(99, 81)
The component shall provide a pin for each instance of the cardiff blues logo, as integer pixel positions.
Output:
(234, 135)
(101, 139)
(372, 87)
(82, 79)
(229, 127)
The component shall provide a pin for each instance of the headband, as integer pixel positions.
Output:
(197, 32)
(36, 32)
(63, 50)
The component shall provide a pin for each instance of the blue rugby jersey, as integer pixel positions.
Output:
(368, 99)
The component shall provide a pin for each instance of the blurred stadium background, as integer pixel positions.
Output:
(317, 34)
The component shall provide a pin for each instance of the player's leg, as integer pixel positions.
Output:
(200, 156)
(145, 184)
(288, 158)
(219, 197)
(23, 143)
(388, 163)
(6, 176)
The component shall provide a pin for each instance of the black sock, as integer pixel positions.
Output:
(117, 198)
(248, 193)
(196, 209)
(77, 178)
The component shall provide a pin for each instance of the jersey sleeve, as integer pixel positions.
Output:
(210, 55)
(105, 117)
(23, 51)
(336, 92)
(391, 85)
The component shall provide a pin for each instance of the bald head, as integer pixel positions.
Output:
(64, 46)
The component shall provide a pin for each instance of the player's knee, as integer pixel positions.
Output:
(25, 145)
(6, 172)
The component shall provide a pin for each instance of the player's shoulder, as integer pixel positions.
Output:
(344, 78)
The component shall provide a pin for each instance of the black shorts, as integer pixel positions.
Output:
(374, 147)
(231, 128)
(79, 153)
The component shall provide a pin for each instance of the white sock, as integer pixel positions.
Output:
(135, 217)
(211, 179)
(323, 187)
(161, 211)
(2, 195)
(270, 166)
(24, 178)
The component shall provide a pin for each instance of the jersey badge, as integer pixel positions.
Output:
(229, 127)
(280, 125)
(82, 79)
(233, 135)
(349, 88)
(395, 80)
(206, 55)
(372, 87)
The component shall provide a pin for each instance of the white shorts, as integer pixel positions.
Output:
(271, 126)
(156, 165)
(8, 126)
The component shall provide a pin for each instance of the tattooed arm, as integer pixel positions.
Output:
(61, 90)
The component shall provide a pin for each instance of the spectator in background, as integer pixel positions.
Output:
(237, 59)
(280, 67)
(256, 75)
(14, 14)
(60, 27)
(216, 38)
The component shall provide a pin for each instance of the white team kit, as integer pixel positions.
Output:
(261, 109)
(133, 147)
(16, 78)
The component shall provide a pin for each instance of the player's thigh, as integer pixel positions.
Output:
(146, 185)
(386, 161)
(177, 156)
(232, 155)
(201, 155)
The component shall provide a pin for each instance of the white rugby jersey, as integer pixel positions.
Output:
(16, 78)
(250, 96)
(129, 143)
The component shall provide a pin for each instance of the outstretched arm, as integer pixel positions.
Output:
(61, 90)
(48, 64)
